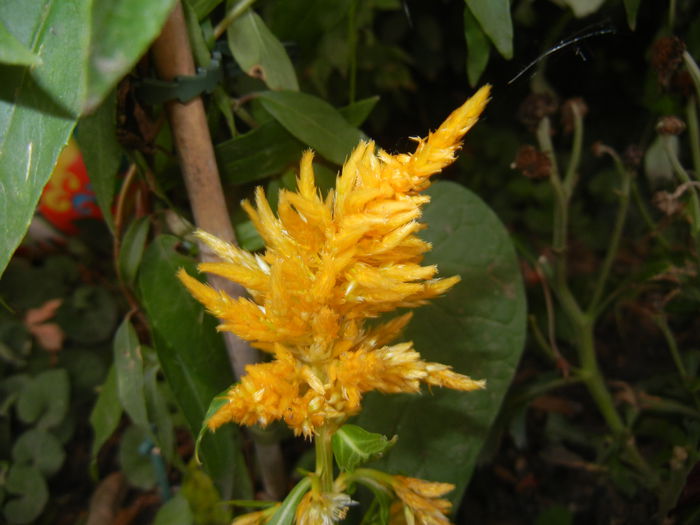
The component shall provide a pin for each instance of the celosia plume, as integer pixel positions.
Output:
(329, 265)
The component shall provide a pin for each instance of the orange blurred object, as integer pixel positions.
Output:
(68, 195)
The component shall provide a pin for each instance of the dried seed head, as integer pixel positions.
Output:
(670, 126)
(535, 107)
(532, 163)
(666, 57)
(666, 202)
(567, 112)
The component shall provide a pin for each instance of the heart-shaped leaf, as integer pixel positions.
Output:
(478, 328)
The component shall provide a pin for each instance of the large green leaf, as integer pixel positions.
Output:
(37, 106)
(193, 358)
(494, 18)
(12, 51)
(122, 30)
(85, 47)
(313, 121)
(478, 328)
(259, 53)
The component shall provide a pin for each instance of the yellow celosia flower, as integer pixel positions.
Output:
(322, 508)
(420, 502)
(329, 265)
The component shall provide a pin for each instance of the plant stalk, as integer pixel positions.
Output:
(172, 56)
(616, 236)
(324, 458)
(233, 13)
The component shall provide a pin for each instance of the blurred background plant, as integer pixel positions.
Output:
(590, 157)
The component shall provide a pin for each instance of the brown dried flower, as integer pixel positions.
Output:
(670, 126)
(666, 57)
(535, 107)
(532, 163)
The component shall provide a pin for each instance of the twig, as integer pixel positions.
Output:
(172, 57)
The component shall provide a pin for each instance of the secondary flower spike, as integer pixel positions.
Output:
(329, 265)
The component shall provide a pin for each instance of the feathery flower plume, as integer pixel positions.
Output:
(329, 265)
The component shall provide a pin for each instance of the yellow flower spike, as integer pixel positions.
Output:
(420, 502)
(330, 264)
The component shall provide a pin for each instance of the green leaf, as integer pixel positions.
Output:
(478, 328)
(357, 112)
(202, 496)
(313, 121)
(122, 30)
(132, 246)
(106, 414)
(27, 483)
(478, 48)
(266, 150)
(12, 51)
(353, 445)
(203, 7)
(137, 466)
(285, 514)
(40, 449)
(193, 358)
(217, 402)
(582, 8)
(494, 18)
(102, 154)
(259, 53)
(128, 364)
(159, 413)
(37, 107)
(176, 511)
(44, 399)
(632, 7)
(88, 315)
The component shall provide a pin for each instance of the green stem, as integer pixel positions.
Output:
(662, 323)
(646, 216)
(671, 15)
(571, 177)
(324, 458)
(233, 13)
(693, 134)
(694, 71)
(616, 234)
(592, 377)
(685, 178)
(561, 199)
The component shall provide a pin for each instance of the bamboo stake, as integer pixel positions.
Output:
(172, 56)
